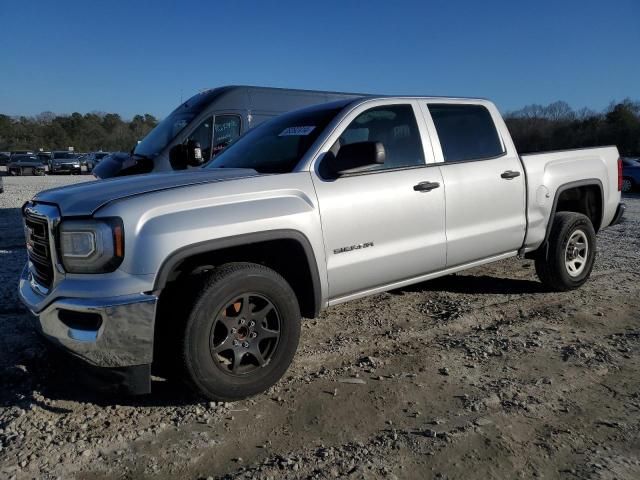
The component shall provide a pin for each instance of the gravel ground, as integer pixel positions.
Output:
(481, 374)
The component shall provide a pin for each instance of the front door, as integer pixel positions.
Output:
(382, 225)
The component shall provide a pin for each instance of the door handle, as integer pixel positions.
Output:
(425, 186)
(509, 174)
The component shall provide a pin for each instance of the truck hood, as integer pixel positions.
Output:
(87, 197)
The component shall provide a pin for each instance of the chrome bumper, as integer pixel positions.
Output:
(121, 334)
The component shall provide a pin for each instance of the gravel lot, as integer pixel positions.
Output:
(481, 374)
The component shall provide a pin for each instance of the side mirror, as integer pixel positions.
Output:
(356, 157)
(184, 155)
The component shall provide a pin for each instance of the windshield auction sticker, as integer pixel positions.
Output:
(296, 131)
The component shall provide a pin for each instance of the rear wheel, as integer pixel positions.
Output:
(571, 252)
(627, 185)
(242, 332)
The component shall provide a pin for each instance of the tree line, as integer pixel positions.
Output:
(534, 128)
(537, 128)
(85, 133)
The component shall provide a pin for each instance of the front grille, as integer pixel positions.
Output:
(39, 250)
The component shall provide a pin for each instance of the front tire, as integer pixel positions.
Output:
(571, 252)
(242, 332)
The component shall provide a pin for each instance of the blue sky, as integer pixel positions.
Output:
(134, 57)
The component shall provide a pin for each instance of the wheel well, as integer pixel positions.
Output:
(585, 199)
(286, 256)
(182, 283)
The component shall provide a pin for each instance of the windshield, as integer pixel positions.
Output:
(63, 155)
(165, 131)
(278, 145)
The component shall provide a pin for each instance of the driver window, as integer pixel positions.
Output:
(392, 125)
(203, 135)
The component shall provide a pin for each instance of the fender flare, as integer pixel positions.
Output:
(590, 182)
(176, 257)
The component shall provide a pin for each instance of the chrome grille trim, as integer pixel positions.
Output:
(40, 222)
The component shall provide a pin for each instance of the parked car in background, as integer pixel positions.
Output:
(92, 159)
(45, 157)
(630, 174)
(4, 158)
(206, 123)
(65, 162)
(20, 152)
(25, 165)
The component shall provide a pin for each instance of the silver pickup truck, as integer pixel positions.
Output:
(205, 274)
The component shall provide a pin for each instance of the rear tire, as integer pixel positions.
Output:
(570, 254)
(627, 185)
(231, 348)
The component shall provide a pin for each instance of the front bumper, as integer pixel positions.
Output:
(112, 332)
(65, 168)
(619, 213)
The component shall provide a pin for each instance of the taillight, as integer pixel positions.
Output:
(619, 174)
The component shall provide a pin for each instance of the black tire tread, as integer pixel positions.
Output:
(548, 270)
(217, 276)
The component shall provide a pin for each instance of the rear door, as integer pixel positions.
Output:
(379, 226)
(484, 181)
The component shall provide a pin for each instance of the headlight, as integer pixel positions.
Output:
(91, 246)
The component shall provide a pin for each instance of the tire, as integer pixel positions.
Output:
(562, 269)
(627, 185)
(229, 295)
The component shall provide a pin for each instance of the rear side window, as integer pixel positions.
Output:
(466, 132)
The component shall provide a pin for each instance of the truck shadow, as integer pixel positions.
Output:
(40, 375)
(34, 373)
(475, 285)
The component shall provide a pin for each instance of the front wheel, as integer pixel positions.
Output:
(571, 252)
(242, 332)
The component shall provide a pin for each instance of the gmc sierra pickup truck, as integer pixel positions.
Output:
(205, 274)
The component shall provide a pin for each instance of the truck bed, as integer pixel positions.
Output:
(549, 173)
